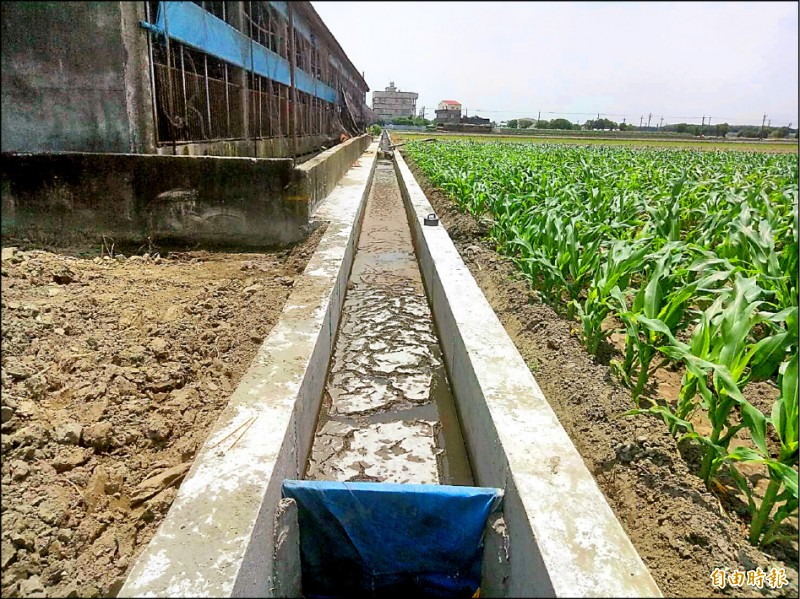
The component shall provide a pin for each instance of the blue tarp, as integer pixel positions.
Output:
(378, 539)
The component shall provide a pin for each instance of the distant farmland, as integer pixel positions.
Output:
(610, 139)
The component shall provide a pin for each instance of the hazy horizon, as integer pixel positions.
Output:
(734, 61)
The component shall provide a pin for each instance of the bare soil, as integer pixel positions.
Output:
(113, 372)
(681, 530)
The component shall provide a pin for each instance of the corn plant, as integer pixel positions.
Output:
(722, 347)
(662, 240)
(782, 487)
(621, 260)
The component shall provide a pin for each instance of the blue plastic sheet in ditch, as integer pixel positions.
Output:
(379, 539)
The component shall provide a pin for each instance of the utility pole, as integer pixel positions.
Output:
(703, 122)
(762, 124)
(662, 122)
(539, 118)
(649, 116)
(641, 118)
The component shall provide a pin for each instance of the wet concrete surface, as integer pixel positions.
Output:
(388, 413)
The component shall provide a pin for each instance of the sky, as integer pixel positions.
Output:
(733, 61)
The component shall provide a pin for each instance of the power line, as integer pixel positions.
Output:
(673, 118)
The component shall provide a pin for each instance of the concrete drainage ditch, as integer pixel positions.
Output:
(373, 403)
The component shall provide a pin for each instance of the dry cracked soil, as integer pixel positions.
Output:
(113, 372)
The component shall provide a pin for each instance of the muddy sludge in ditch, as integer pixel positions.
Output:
(388, 413)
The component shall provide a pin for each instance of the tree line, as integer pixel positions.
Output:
(603, 124)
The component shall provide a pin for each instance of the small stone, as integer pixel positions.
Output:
(97, 435)
(286, 281)
(59, 331)
(19, 470)
(6, 414)
(32, 587)
(159, 347)
(69, 458)
(51, 512)
(8, 253)
(69, 433)
(8, 554)
(120, 258)
(63, 276)
(252, 289)
(54, 291)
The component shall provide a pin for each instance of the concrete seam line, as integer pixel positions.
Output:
(577, 534)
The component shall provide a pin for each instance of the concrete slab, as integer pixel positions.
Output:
(218, 538)
(563, 538)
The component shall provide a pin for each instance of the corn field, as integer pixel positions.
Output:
(693, 256)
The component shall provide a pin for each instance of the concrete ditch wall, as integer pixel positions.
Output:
(563, 538)
(323, 172)
(220, 538)
(130, 197)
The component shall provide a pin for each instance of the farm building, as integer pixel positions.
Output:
(264, 79)
(448, 111)
(393, 103)
(123, 118)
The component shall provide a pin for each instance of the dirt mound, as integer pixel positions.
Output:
(113, 371)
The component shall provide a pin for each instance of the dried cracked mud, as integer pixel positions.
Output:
(387, 415)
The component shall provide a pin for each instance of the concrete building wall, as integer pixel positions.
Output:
(188, 198)
(392, 103)
(448, 116)
(75, 77)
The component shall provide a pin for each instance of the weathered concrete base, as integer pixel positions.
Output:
(563, 538)
(130, 197)
(218, 539)
(272, 147)
(288, 579)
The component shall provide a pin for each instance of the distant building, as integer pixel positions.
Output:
(474, 120)
(450, 105)
(393, 103)
(449, 111)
